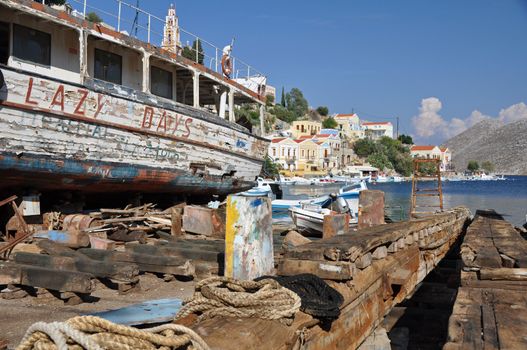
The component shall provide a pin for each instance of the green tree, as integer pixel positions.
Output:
(270, 168)
(379, 160)
(487, 166)
(406, 139)
(93, 17)
(296, 102)
(283, 113)
(190, 52)
(330, 123)
(249, 112)
(323, 110)
(364, 147)
(282, 99)
(473, 165)
(269, 100)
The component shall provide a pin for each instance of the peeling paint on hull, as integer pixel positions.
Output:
(54, 174)
(54, 135)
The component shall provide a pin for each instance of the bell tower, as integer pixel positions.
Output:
(171, 40)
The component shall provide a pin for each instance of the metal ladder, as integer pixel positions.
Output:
(426, 192)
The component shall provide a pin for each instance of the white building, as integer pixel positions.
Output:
(376, 130)
(433, 152)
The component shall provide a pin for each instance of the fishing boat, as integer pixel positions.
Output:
(85, 106)
(310, 218)
(263, 188)
(350, 193)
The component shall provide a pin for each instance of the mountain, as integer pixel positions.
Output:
(504, 145)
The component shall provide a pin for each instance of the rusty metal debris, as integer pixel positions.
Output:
(22, 234)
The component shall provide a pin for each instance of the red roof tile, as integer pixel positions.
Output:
(443, 149)
(422, 148)
(345, 115)
(278, 139)
(376, 123)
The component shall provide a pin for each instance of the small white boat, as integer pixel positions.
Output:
(302, 181)
(262, 189)
(397, 179)
(310, 218)
(286, 180)
(350, 193)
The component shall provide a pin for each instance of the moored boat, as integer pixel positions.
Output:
(310, 218)
(86, 107)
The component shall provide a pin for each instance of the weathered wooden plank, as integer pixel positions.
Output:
(194, 253)
(507, 274)
(324, 269)
(35, 276)
(145, 262)
(121, 272)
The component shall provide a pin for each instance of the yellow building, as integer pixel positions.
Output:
(305, 128)
(308, 159)
(284, 151)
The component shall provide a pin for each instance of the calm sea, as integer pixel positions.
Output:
(508, 197)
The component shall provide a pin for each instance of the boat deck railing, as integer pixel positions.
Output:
(138, 23)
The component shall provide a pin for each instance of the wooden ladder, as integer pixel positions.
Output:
(436, 191)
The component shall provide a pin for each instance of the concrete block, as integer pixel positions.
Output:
(203, 221)
(335, 224)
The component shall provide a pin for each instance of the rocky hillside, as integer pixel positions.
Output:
(504, 145)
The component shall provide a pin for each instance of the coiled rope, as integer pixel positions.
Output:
(223, 296)
(94, 333)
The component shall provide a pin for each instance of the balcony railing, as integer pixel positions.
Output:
(138, 23)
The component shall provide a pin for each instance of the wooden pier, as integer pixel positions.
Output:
(490, 311)
(374, 269)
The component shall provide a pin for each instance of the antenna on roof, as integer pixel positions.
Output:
(135, 24)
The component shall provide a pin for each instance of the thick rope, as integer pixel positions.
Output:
(222, 296)
(94, 333)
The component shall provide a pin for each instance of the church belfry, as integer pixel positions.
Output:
(171, 40)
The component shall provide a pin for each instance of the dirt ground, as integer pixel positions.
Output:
(17, 315)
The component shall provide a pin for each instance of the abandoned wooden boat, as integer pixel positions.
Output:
(84, 106)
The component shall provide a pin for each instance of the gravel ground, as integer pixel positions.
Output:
(18, 314)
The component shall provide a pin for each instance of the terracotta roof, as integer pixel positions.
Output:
(422, 148)
(298, 141)
(278, 139)
(345, 115)
(376, 123)
(305, 137)
(443, 149)
(324, 135)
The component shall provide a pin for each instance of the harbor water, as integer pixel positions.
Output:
(507, 197)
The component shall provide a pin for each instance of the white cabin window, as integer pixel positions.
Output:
(161, 82)
(31, 45)
(108, 66)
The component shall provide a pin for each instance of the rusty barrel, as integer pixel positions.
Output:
(79, 222)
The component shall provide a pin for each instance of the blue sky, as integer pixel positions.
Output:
(451, 58)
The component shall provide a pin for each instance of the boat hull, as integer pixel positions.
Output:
(57, 135)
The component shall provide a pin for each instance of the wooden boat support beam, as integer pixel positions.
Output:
(385, 278)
